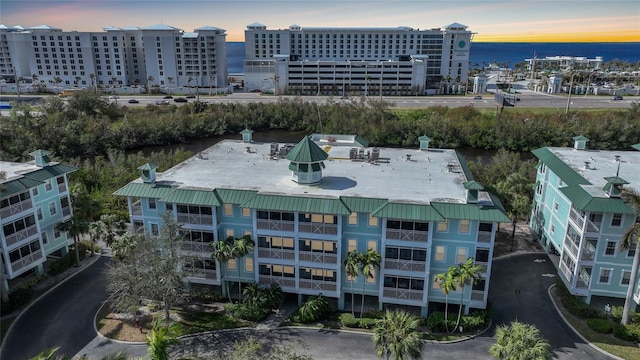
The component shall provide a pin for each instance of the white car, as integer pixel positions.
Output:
(114, 97)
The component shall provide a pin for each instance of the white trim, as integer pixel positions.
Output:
(608, 278)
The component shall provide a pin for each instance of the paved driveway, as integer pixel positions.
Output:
(519, 287)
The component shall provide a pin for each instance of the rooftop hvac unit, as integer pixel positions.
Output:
(284, 150)
(274, 149)
(360, 153)
(353, 153)
(375, 154)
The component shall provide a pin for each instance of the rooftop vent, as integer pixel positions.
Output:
(375, 154)
(586, 164)
(617, 158)
(408, 157)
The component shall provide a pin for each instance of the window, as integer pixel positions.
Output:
(247, 233)
(626, 277)
(605, 276)
(372, 245)
(35, 191)
(52, 208)
(152, 204)
(371, 279)
(461, 255)
(610, 249)
(553, 228)
(464, 227)
(228, 209)
(45, 241)
(352, 245)
(373, 221)
(443, 226)
(56, 232)
(616, 220)
(155, 229)
(47, 186)
(40, 216)
(275, 242)
(440, 253)
(230, 233)
(436, 284)
(248, 265)
(246, 212)
(631, 252)
(353, 219)
(231, 264)
(555, 206)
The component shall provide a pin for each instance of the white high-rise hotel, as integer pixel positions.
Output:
(297, 60)
(118, 56)
(356, 61)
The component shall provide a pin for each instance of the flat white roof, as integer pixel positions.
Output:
(406, 175)
(14, 170)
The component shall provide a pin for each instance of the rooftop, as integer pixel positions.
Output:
(399, 175)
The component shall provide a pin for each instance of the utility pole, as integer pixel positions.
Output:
(570, 91)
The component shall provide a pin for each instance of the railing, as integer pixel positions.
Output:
(282, 281)
(405, 294)
(284, 254)
(577, 218)
(195, 219)
(136, 208)
(62, 188)
(477, 295)
(564, 269)
(582, 284)
(483, 265)
(406, 265)
(318, 285)
(15, 208)
(593, 227)
(407, 235)
(318, 257)
(587, 254)
(208, 274)
(318, 228)
(571, 246)
(21, 235)
(25, 261)
(484, 237)
(276, 225)
(66, 211)
(196, 246)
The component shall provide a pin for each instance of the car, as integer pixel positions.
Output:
(162, 102)
(180, 100)
(190, 96)
(114, 97)
(477, 97)
(168, 97)
(133, 101)
(616, 98)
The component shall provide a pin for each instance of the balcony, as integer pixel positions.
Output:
(66, 211)
(195, 219)
(21, 235)
(577, 217)
(205, 274)
(404, 265)
(26, 261)
(407, 235)
(318, 257)
(568, 273)
(196, 246)
(276, 225)
(318, 285)
(483, 265)
(402, 294)
(136, 209)
(477, 295)
(270, 253)
(62, 188)
(284, 282)
(318, 228)
(14, 209)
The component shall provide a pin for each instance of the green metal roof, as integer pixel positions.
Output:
(191, 197)
(40, 152)
(144, 190)
(229, 196)
(616, 180)
(246, 131)
(424, 138)
(306, 151)
(362, 141)
(566, 173)
(362, 205)
(475, 212)
(49, 172)
(417, 212)
(580, 137)
(465, 167)
(148, 166)
(636, 146)
(472, 185)
(18, 185)
(297, 203)
(583, 201)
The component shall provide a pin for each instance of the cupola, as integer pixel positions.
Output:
(580, 142)
(148, 173)
(41, 157)
(614, 186)
(424, 142)
(247, 135)
(307, 162)
(472, 191)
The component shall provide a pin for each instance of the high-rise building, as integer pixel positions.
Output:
(362, 61)
(158, 55)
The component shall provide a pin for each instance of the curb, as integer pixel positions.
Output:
(34, 301)
(99, 334)
(576, 331)
(517, 253)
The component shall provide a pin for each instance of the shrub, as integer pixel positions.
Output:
(205, 295)
(616, 313)
(600, 325)
(62, 264)
(367, 323)
(472, 322)
(576, 306)
(17, 298)
(313, 309)
(435, 321)
(250, 313)
(348, 320)
(373, 314)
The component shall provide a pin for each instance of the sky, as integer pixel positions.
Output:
(491, 20)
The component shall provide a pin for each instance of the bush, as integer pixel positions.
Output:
(204, 295)
(576, 306)
(348, 320)
(313, 309)
(250, 313)
(62, 264)
(616, 313)
(435, 321)
(373, 314)
(600, 325)
(367, 323)
(472, 322)
(17, 298)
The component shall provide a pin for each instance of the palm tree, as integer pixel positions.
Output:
(93, 82)
(397, 335)
(223, 252)
(468, 273)
(77, 80)
(519, 341)
(447, 283)
(150, 79)
(352, 268)
(630, 238)
(241, 247)
(170, 81)
(75, 227)
(370, 261)
(160, 338)
(34, 79)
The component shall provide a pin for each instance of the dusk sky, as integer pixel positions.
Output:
(492, 20)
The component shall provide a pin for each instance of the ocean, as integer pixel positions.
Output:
(511, 53)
